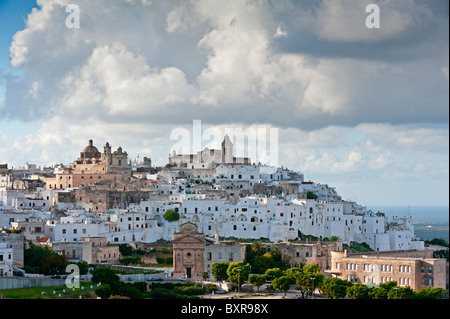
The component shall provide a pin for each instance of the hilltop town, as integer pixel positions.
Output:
(206, 212)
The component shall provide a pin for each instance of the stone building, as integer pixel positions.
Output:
(74, 251)
(224, 155)
(90, 168)
(194, 253)
(308, 252)
(102, 253)
(6, 260)
(414, 268)
(16, 243)
(225, 251)
(188, 252)
(32, 228)
(98, 199)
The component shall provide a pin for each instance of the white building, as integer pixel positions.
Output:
(73, 228)
(6, 260)
(277, 219)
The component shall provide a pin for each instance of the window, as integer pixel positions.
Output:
(63, 231)
(75, 231)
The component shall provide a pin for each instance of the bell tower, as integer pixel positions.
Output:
(107, 154)
(227, 150)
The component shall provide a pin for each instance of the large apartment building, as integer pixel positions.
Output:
(413, 268)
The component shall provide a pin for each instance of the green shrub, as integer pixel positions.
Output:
(171, 215)
(104, 291)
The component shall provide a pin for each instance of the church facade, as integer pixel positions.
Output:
(188, 252)
(194, 254)
(90, 168)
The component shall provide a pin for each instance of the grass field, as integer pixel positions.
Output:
(47, 292)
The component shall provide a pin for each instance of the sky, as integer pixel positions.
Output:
(365, 110)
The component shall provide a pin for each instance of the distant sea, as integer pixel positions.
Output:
(429, 221)
(419, 214)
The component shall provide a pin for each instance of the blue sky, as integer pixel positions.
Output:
(363, 110)
(13, 16)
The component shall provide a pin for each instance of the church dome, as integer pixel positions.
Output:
(90, 148)
(90, 151)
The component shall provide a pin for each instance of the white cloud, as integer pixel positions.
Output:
(115, 81)
(345, 21)
(137, 69)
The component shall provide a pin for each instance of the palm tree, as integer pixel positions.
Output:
(257, 248)
(334, 238)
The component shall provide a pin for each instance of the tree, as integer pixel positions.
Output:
(401, 293)
(52, 263)
(257, 280)
(335, 287)
(205, 275)
(282, 284)
(104, 291)
(260, 264)
(125, 249)
(257, 248)
(311, 269)
(432, 293)
(382, 291)
(358, 291)
(83, 266)
(311, 195)
(273, 273)
(307, 278)
(43, 260)
(238, 272)
(107, 276)
(334, 238)
(171, 215)
(219, 270)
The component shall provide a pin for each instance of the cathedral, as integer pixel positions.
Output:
(224, 155)
(90, 168)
